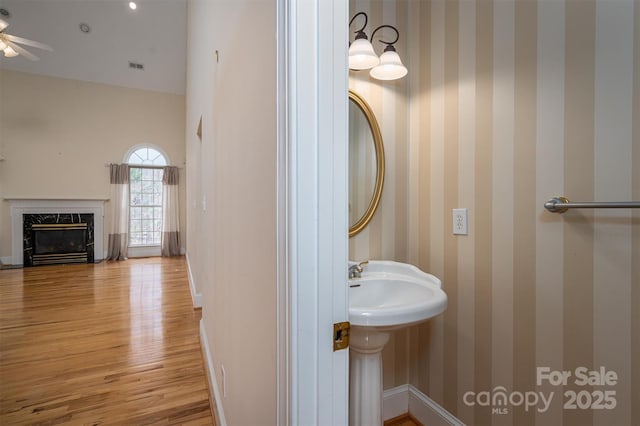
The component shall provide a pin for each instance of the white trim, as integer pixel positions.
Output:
(196, 298)
(21, 206)
(428, 412)
(283, 307)
(149, 251)
(317, 227)
(213, 383)
(395, 402)
(144, 251)
(405, 399)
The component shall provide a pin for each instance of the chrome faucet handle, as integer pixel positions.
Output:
(356, 270)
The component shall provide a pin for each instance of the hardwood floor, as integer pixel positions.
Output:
(403, 420)
(112, 343)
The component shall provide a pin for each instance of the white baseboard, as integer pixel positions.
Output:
(428, 412)
(395, 402)
(196, 298)
(211, 371)
(408, 399)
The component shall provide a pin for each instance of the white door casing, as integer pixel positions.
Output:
(315, 120)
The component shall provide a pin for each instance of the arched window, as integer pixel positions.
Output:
(145, 195)
(146, 155)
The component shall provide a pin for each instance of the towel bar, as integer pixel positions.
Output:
(562, 204)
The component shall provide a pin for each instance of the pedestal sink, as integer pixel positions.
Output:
(387, 296)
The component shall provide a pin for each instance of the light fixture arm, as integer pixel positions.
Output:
(388, 43)
(360, 33)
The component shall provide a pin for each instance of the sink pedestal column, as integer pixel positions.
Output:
(365, 386)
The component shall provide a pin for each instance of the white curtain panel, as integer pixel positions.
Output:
(170, 211)
(119, 230)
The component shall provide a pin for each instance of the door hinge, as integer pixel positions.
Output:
(341, 335)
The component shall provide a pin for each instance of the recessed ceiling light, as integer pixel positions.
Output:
(85, 28)
(133, 5)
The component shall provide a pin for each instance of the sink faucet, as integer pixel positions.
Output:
(356, 270)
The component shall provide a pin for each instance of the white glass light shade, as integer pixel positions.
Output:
(361, 55)
(390, 67)
(3, 45)
(9, 52)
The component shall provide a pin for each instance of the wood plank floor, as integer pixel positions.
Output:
(112, 343)
(403, 420)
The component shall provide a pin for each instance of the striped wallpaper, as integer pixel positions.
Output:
(507, 103)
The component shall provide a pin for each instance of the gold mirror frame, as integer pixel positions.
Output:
(379, 149)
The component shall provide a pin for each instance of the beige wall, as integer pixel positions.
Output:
(510, 103)
(57, 135)
(232, 238)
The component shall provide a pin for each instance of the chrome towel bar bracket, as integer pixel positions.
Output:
(562, 204)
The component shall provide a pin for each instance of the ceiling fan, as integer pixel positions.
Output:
(9, 44)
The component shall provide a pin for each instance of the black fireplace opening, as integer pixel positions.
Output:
(58, 238)
(48, 240)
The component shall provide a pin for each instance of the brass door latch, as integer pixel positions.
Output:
(341, 335)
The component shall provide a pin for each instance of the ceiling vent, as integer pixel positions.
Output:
(136, 66)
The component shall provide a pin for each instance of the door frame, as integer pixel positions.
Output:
(312, 211)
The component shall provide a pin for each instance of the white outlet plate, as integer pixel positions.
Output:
(460, 225)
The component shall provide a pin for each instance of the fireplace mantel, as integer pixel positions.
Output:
(20, 206)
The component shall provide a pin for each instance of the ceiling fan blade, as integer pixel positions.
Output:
(23, 52)
(28, 42)
(3, 25)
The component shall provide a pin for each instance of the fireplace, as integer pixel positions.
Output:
(58, 238)
(52, 211)
(59, 243)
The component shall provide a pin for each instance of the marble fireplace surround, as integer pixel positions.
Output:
(22, 206)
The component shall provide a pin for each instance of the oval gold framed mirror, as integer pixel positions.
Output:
(366, 163)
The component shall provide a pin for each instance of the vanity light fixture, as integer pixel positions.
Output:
(361, 53)
(390, 66)
(362, 56)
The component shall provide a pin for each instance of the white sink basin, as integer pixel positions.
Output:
(387, 295)
(391, 295)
